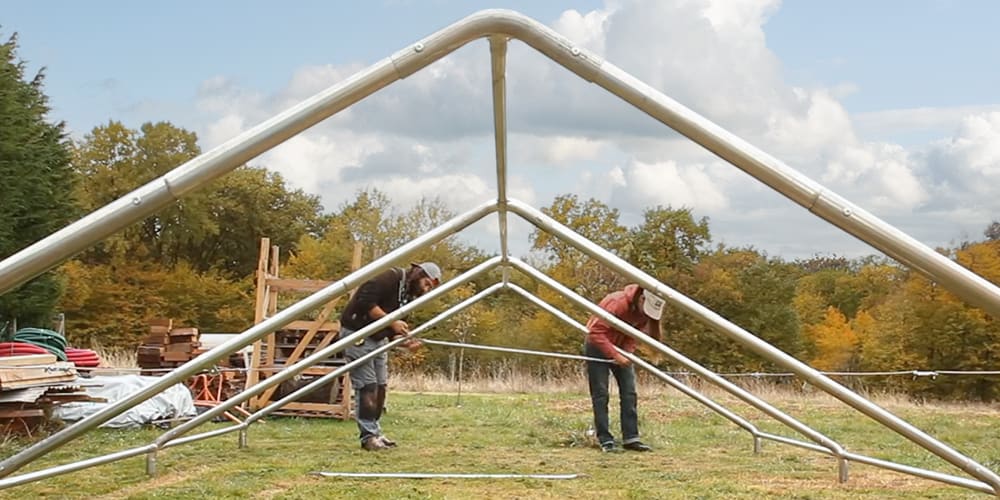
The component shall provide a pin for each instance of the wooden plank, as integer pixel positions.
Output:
(70, 398)
(22, 413)
(260, 304)
(301, 324)
(312, 370)
(186, 347)
(36, 382)
(259, 309)
(332, 411)
(28, 359)
(297, 285)
(329, 338)
(295, 405)
(183, 332)
(9, 374)
(156, 339)
(272, 300)
(176, 356)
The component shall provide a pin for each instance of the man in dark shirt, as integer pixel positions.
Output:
(377, 297)
(640, 309)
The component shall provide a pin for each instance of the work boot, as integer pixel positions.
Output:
(373, 443)
(637, 446)
(610, 447)
(388, 442)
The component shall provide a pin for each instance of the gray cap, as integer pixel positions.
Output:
(431, 270)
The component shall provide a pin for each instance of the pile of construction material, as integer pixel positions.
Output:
(32, 385)
(34, 370)
(167, 347)
(228, 377)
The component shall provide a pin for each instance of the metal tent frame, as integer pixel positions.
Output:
(500, 26)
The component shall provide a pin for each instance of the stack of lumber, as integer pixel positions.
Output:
(33, 370)
(167, 347)
(31, 385)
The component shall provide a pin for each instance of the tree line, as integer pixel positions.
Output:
(195, 261)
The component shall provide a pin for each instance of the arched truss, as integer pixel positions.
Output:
(499, 27)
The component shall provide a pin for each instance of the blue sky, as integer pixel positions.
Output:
(894, 105)
(901, 54)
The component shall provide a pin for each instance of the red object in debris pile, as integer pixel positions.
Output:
(20, 349)
(83, 358)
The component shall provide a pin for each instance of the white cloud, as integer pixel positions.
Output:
(668, 183)
(586, 30)
(222, 95)
(817, 123)
(617, 177)
(458, 191)
(976, 147)
(563, 151)
(878, 176)
(222, 130)
(309, 161)
(938, 120)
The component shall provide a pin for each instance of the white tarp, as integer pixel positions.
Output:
(175, 401)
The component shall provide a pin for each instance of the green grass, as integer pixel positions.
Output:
(698, 454)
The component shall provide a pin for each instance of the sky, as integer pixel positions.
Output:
(893, 105)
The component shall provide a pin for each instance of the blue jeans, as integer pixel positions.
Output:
(369, 380)
(598, 375)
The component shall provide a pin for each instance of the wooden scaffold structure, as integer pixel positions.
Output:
(295, 341)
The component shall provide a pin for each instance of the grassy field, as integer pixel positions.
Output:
(697, 453)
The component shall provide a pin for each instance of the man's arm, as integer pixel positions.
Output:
(599, 332)
(653, 329)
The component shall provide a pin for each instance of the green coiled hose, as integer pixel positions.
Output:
(49, 340)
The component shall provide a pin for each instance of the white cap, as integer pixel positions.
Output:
(431, 270)
(652, 305)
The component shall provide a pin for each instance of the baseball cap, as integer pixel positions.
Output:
(653, 305)
(431, 270)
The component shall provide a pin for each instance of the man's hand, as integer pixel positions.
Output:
(411, 344)
(621, 360)
(399, 327)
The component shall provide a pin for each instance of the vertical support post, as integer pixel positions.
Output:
(259, 311)
(356, 255)
(272, 302)
(151, 463)
(498, 60)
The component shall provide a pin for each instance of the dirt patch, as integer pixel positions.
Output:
(275, 490)
(159, 482)
(859, 481)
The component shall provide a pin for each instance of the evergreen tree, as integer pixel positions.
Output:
(37, 184)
